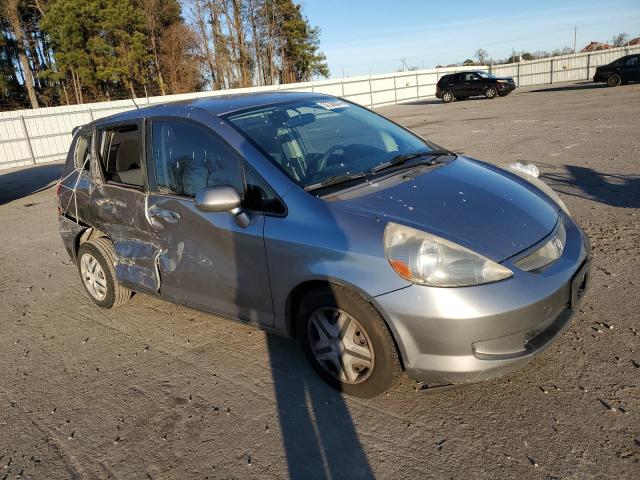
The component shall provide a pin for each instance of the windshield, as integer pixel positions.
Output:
(321, 138)
(486, 75)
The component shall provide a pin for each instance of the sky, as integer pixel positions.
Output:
(360, 37)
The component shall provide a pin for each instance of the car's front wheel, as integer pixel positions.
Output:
(490, 92)
(347, 342)
(614, 80)
(447, 96)
(95, 265)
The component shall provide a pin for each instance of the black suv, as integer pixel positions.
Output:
(463, 85)
(623, 70)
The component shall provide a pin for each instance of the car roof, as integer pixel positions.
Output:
(215, 105)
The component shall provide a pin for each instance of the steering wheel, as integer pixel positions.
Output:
(322, 161)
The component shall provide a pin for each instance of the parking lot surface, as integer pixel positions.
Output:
(152, 390)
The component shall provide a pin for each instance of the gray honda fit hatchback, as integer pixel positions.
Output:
(312, 217)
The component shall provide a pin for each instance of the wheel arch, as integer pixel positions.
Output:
(299, 291)
(87, 235)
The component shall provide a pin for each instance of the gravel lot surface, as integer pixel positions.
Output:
(153, 390)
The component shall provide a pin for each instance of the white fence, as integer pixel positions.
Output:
(29, 137)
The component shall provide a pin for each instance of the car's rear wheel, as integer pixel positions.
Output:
(95, 264)
(347, 342)
(490, 92)
(614, 80)
(447, 96)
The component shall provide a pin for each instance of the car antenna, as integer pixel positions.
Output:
(134, 102)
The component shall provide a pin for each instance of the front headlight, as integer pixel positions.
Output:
(429, 260)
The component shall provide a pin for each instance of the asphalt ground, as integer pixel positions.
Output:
(153, 390)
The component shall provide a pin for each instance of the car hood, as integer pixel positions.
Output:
(473, 204)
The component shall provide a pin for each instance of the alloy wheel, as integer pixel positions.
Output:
(93, 277)
(340, 345)
(614, 80)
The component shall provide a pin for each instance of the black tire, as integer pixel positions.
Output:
(447, 96)
(101, 249)
(386, 366)
(490, 92)
(614, 80)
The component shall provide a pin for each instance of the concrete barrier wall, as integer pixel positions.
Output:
(29, 137)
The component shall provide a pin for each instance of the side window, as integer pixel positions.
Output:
(259, 196)
(468, 77)
(189, 157)
(631, 62)
(120, 156)
(82, 153)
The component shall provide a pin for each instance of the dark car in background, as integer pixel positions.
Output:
(623, 70)
(462, 85)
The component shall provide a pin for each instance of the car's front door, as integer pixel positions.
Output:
(630, 69)
(207, 260)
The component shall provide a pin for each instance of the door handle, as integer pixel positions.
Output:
(168, 216)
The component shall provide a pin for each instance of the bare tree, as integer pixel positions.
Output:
(151, 10)
(180, 60)
(482, 56)
(620, 39)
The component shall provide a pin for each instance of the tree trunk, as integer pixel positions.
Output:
(201, 22)
(154, 47)
(219, 46)
(13, 17)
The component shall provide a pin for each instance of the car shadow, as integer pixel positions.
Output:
(616, 190)
(434, 101)
(319, 437)
(16, 184)
(573, 86)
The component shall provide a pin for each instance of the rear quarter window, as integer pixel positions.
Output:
(82, 152)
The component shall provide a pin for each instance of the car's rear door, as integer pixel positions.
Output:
(207, 260)
(452, 83)
(118, 203)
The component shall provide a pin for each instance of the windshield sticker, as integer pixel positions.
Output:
(332, 105)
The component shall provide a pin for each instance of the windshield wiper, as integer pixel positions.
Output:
(335, 180)
(400, 159)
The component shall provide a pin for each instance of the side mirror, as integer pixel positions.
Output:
(222, 198)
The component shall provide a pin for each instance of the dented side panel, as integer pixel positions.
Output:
(69, 231)
(207, 260)
(121, 213)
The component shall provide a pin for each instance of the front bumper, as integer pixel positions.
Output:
(506, 87)
(601, 76)
(469, 334)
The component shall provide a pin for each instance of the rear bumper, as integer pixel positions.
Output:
(465, 335)
(601, 77)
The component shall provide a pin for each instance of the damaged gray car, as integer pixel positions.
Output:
(311, 217)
